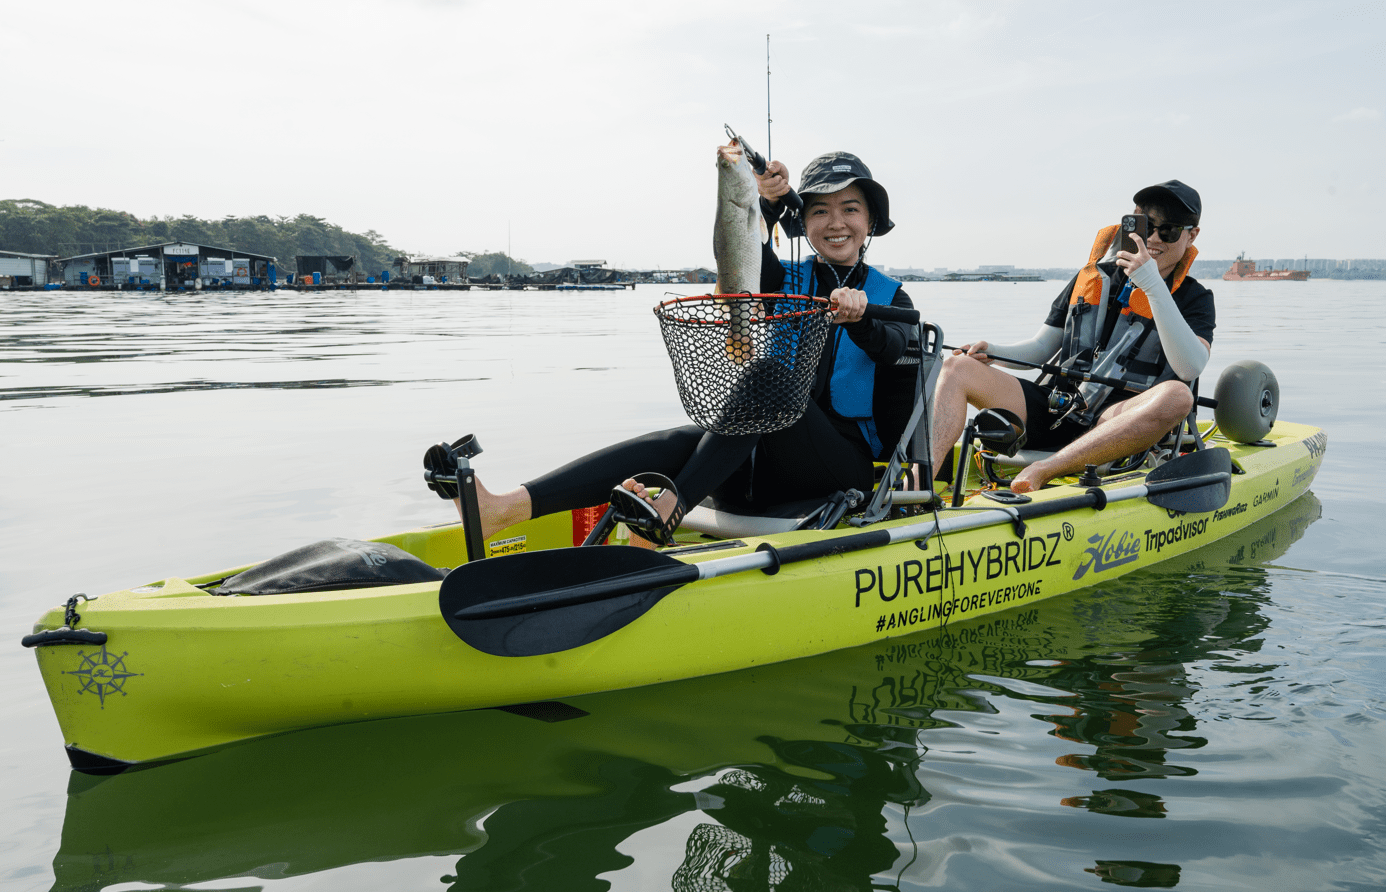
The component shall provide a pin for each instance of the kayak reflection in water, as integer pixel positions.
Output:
(853, 409)
(757, 825)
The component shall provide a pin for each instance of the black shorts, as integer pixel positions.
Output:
(1038, 419)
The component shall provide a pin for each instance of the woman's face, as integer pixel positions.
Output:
(838, 224)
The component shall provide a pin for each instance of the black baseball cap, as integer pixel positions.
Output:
(836, 171)
(1176, 195)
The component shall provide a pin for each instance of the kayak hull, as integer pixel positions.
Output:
(182, 671)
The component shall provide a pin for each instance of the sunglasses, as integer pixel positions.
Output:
(1169, 232)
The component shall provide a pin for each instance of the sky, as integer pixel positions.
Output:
(1004, 132)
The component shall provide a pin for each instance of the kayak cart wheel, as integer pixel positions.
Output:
(1248, 398)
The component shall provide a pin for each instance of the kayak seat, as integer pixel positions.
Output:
(729, 521)
(916, 370)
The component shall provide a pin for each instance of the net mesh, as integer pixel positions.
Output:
(744, 364)
(720, 860)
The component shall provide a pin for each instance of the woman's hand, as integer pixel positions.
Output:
(774, 183)
(1132, 262)
(849, 305)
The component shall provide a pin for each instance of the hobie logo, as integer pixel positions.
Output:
(1108, 552)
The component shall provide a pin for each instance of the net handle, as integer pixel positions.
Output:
(817, 305)
(887, 313)
(883, 312)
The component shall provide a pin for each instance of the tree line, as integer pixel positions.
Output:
(35, 227)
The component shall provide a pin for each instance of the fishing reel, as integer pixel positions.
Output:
(1061, 402)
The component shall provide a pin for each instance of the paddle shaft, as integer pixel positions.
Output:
(770, 558)
(1075, 374)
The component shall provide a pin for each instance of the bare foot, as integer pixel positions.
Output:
(1029, 480)
(499, 510)
(664, 505)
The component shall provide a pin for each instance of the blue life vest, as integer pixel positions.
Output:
(853, 383)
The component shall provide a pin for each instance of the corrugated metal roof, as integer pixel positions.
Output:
(229, 252)
(428, 258)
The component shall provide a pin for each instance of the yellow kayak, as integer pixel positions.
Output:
(425, 785)
(172, 668)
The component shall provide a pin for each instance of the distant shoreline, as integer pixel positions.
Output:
(1355, 269)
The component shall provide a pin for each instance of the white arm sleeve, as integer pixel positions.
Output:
(1040, 348)
(1185, 352)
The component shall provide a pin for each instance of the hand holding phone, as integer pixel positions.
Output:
(1137, 224)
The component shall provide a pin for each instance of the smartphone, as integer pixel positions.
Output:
(1133, 223)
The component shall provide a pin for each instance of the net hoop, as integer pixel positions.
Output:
(744, 363)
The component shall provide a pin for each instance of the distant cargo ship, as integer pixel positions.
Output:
(1244, 270)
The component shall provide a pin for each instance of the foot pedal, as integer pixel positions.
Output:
(448, 472)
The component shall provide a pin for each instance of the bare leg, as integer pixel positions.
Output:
(499, 511)
(1121, 430)
(965, 380)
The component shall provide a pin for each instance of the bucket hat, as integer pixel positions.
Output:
(834, 172)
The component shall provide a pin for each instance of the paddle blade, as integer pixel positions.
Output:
(1194, 483)
(548, 629)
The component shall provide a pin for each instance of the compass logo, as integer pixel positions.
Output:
(103, 673)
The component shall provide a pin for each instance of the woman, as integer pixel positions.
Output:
(857, 408)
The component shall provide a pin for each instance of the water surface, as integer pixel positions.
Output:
(1215, 723)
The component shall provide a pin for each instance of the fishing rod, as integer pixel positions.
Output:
(769, 149)
(758, 163)
(1074, 374)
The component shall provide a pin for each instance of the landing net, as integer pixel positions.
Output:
(744, 363)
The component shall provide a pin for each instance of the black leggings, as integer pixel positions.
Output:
(808, 459)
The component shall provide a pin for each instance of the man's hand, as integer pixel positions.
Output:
(977, 351)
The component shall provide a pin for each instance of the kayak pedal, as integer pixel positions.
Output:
(448, 472)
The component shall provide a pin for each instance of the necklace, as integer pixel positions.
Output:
(843, 280)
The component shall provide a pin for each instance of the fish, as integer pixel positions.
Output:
(738, 233)
(737, 237)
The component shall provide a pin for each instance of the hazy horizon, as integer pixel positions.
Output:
(1004, 134)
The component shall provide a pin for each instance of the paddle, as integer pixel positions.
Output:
(548, 601)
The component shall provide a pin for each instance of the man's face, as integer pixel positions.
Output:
(1166, 254)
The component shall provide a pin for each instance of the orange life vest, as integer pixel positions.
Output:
(1088, 288)
(1132, 350)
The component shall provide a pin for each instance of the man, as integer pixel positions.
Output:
(1136, 314)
